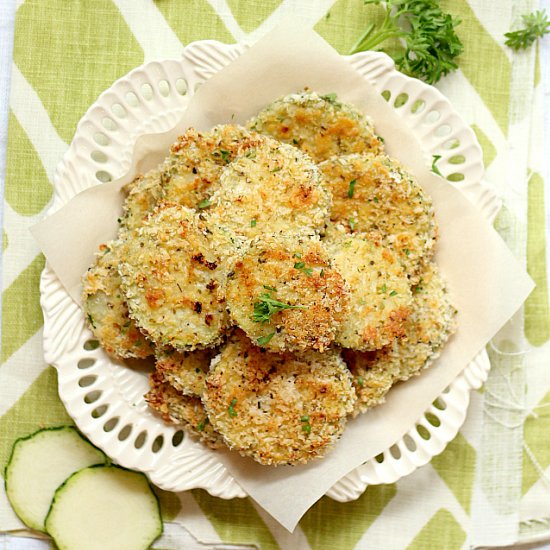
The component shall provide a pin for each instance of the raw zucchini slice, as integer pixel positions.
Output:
(104, 508)
(39, 463)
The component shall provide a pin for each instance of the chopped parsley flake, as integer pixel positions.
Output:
(266, 306)
(231, 409)
(322, 274)
(383, 288)
(360, 381)
(302, 267)
(331, 98)
(304, 418)
(263, 340)
(91, 320)
(270, 288)
(201, 425)
(351, 188)
(375, 199)
(225, 156)
(252, 223)
(205, 203)
(306, 428)
(295, 141)
(407, 251)
(393, 292)
(277, 169)
(352, 223)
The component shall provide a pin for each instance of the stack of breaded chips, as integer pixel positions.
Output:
(281, 274)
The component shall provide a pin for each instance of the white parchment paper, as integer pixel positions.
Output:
(487, 283)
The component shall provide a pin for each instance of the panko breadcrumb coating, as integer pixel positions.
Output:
(185, 410)
(106, 310)
(190, 173)
(271, 188)
(430, 325)
(375, 195)
(285, 294)
(171, 278)
(143, 194)
(321, 126)
(380, 295)
(186, 370)
(278, 408)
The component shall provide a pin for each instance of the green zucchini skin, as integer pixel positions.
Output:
(23, 516)
(67, 485)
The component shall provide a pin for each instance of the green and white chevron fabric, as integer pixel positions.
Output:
(491, 486)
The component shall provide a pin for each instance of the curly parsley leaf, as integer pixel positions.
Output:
(266, 306)
(429, 41)
(536, 26)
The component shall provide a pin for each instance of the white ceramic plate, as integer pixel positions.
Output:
(105, 398)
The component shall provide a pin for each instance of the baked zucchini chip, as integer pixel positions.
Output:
(172, 280)
(278, 408)
(320, 125)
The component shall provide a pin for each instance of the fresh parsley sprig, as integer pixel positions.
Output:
(536, 26)
(266, 306)
(430, 43)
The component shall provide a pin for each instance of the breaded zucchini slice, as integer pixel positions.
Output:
(430, 325)
(171, 278)
(106, 310)
(374, 194)
(278, 408)
(184, 370)
(285, 294)
(190, 173)
(380, 300)
(143, 194)
(321, 126)
(186, 410)
(271, 188)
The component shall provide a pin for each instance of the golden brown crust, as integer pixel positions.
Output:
(172, 280)
(296, 272)
(376, 196)
(106, 309)
(183, 410)
(380, 295)
(272, 188)
(430, 324)
(278, 408)
(321, 126)
(185, 371)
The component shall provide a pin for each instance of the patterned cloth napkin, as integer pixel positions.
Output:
(491, 486)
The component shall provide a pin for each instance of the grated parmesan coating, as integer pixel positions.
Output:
(183, 410)
(172, 280)
(375, 195)
(272, 188)
(190, 173)
(278, 408)
(321, 126)
(186, 370)
(296, 272)
(380, 294)
(430, 325)
(106, 309)
(143, 194)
